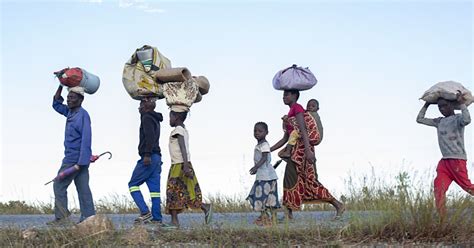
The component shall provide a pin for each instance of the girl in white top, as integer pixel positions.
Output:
(182, 190)
(264, 193)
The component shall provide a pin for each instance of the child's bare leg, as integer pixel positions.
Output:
(205, 207)
(294, 135)
(289, 146)
(287, 152)
(174, 217)
(289, 214)
(260, 221)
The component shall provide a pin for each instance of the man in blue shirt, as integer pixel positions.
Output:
(77, 152)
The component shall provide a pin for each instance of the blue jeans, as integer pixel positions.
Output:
(81, 180)
(149, 174)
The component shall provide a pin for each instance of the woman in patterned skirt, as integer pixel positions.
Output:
(182, 189)
(300, 183)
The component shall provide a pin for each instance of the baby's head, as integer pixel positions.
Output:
(177, 118)
(260, 130)
(312, 105)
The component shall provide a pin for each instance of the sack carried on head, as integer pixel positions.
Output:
(74, 77)
(182, 94)
(294, 78)
(139, 73)
(448, 90)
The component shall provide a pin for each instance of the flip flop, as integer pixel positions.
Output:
(341, 212)
(264, 222)
(258, 221)
(284, 219)
(208, 215)
(167, 226)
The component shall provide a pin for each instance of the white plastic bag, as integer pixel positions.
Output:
(447, 90)
(294, 78)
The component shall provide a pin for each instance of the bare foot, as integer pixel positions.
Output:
(290, 214)
(174, 218)
(340, 209)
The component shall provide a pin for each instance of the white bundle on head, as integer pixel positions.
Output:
(179, 108)
(77, 89)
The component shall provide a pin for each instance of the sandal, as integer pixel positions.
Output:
(166, 226)
(285, 219)
(265, 221)
(143, 218)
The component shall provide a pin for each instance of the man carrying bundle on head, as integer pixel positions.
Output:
(148, 73)
(148, 167)
(77, 152)
(450, 127)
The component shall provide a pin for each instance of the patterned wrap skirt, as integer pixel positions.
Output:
(300, 183)
(264, 195)
(182, 192)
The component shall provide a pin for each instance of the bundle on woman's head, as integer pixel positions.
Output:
(179, 108)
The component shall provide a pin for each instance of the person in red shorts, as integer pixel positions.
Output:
(452, 166)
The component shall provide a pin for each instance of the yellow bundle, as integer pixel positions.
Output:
(138, 73)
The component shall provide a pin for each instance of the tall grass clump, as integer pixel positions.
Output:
(22, 207)
(396, 209)
(405, 210)
(116, 204)
(229, 204)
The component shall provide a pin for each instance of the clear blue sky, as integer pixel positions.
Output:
(373, 60)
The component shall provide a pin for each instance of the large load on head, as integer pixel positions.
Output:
(78, 77)
(294, 78)
(448, 90)
(148, 73)
(181, 95)
(138, 73)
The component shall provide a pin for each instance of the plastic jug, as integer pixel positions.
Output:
(89, 82)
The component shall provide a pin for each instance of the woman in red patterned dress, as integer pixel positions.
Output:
(300, 183)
